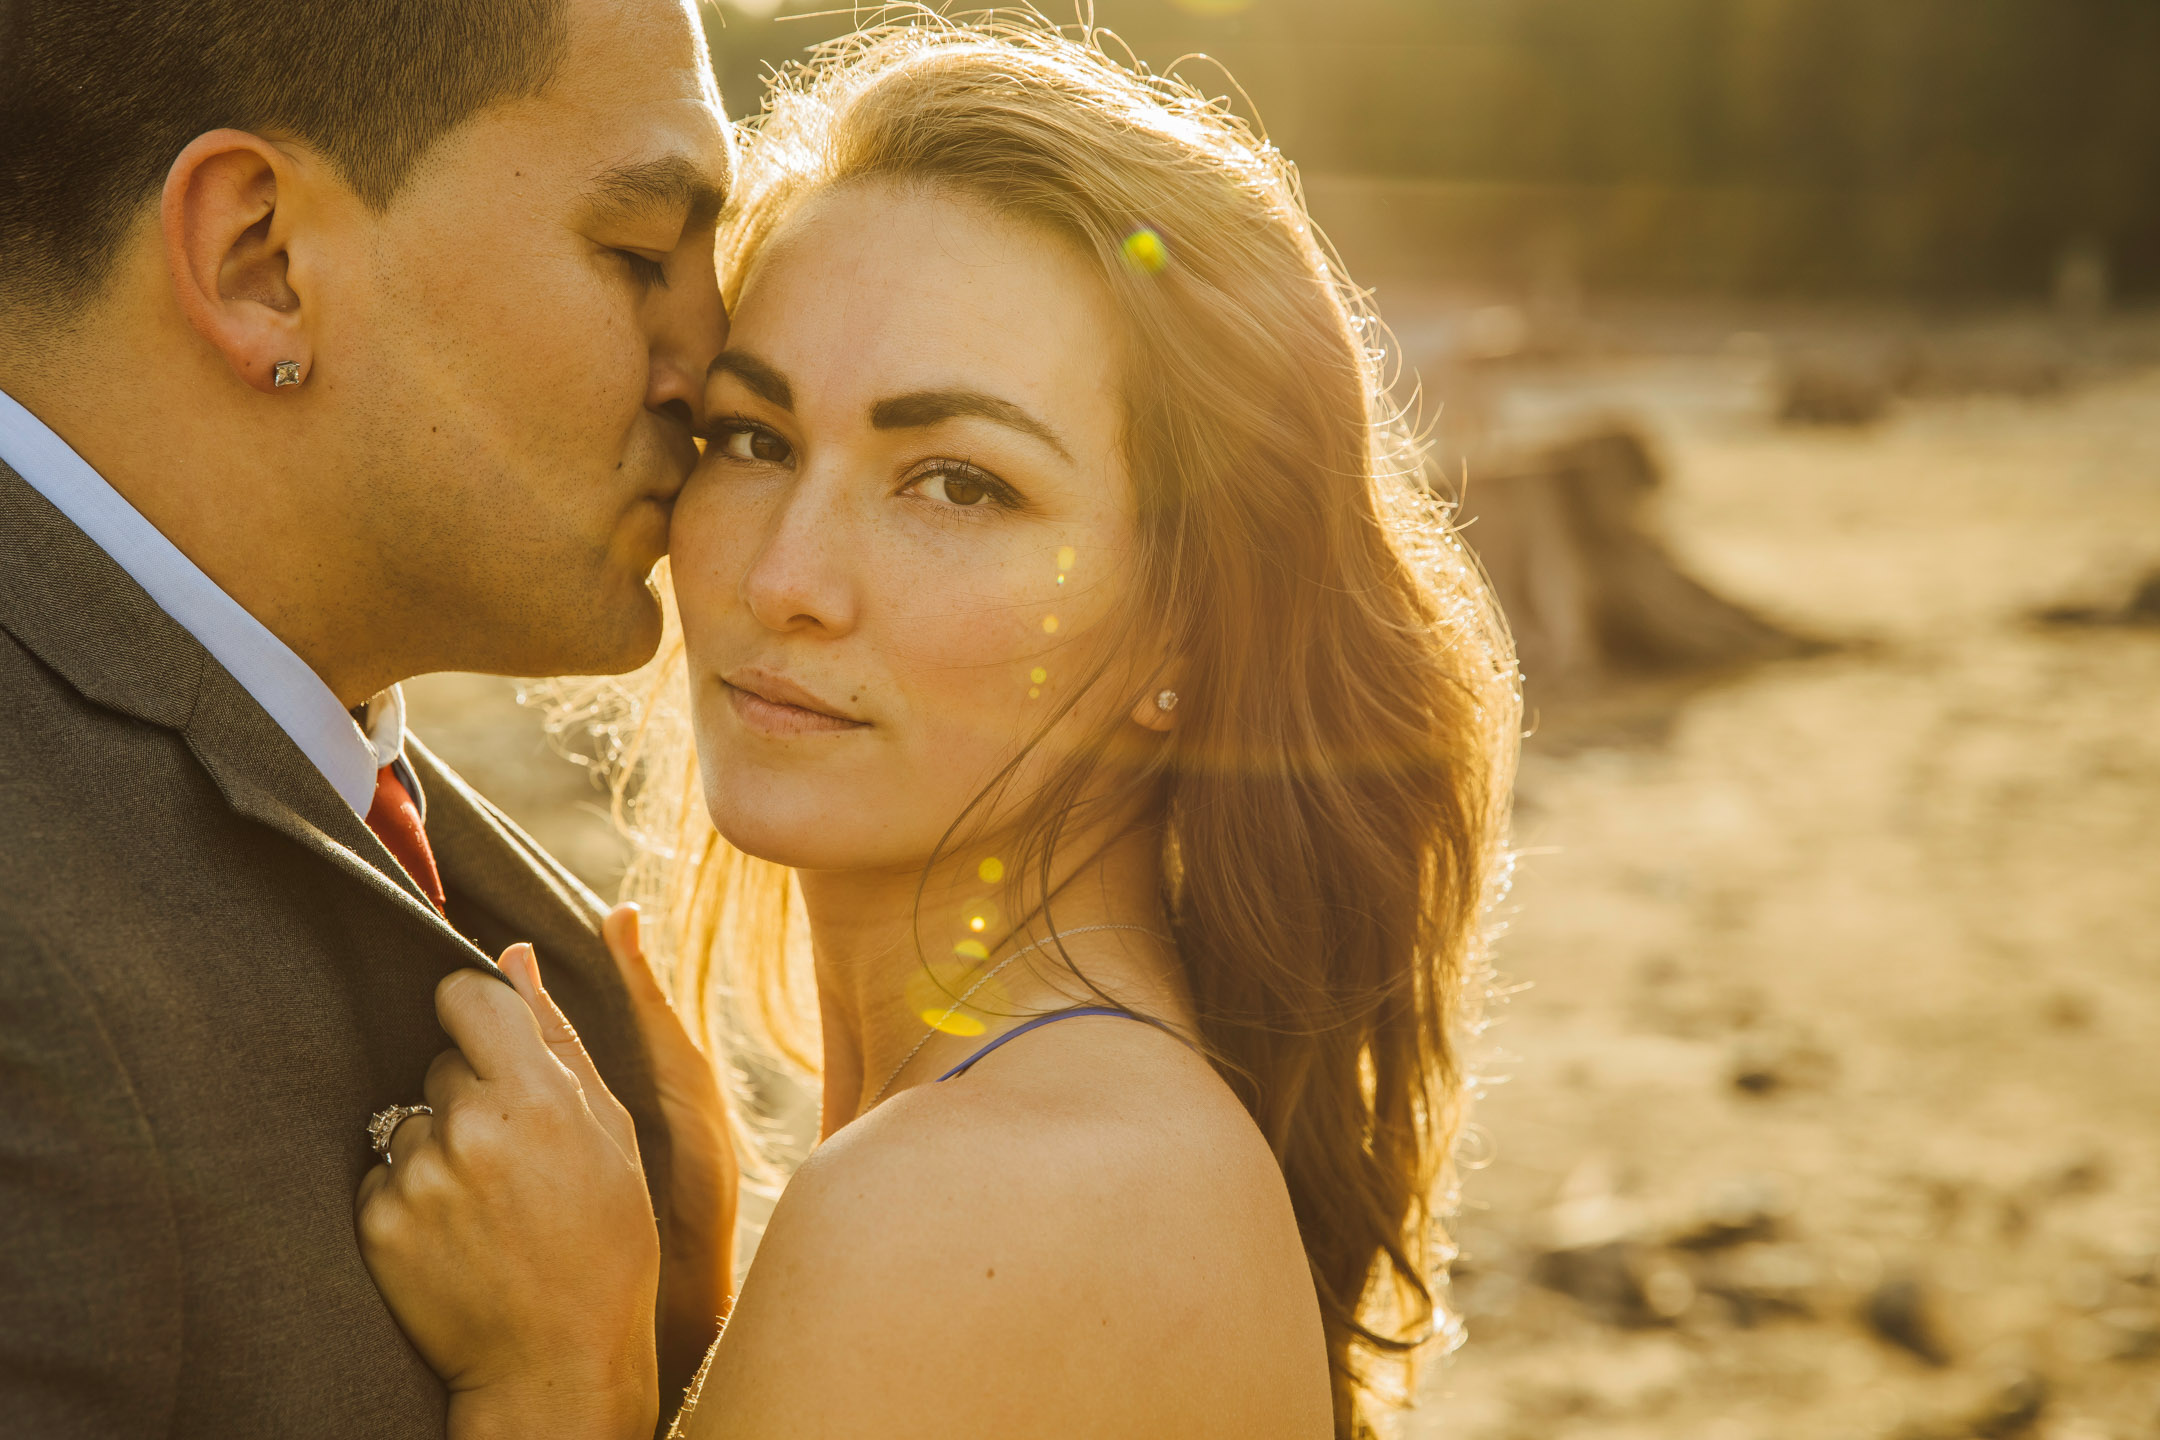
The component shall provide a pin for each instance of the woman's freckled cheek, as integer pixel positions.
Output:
(961, 636)
(968, 632)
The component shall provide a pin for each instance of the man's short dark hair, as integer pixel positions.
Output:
(98, 96)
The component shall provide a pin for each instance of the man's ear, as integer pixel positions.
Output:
(227, 237)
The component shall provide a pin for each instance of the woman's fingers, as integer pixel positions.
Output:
(624, 931)
(523, 967)
(410, 1137)
(522, 964)
(697, 1280)
(497, 1032)
(371, 1185)
(665, 1034)
(450, 1079)
(511, 1234)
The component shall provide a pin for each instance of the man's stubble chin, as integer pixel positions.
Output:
(506, 588)
(607, 622)
(600, 639)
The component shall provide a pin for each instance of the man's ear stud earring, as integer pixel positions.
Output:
(287, 373)
(1166, 701)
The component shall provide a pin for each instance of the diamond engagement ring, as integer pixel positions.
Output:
(385, 1123)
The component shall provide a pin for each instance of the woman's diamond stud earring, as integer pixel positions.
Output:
(1166, 701)
(287, 373)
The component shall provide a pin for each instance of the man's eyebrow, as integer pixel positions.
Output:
(764, 381)
(671, 184)
(931, 407)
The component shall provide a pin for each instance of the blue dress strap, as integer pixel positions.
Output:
(1051, 1019)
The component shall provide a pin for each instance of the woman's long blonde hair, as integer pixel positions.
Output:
(1333, 801)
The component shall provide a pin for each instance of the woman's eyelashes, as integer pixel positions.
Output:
(747, 441)
(961, 486)
(953, 484)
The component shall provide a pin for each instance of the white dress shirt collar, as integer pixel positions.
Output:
(281, 682)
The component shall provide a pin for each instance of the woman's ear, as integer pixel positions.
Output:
(1157, 710)
(228, 227)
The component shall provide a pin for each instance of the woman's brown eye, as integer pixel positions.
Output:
(961, 490)
(741, 442)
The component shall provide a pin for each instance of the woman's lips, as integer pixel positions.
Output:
(776, 715)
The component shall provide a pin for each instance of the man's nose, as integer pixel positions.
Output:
(691, 328)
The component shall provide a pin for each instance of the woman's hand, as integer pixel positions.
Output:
(511, 1233)
(697, 1276)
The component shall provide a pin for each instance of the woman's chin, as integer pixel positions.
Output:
(793, 851)
(833, 819)
(820, 838)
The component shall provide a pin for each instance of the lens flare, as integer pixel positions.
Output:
(992, 870)
(1067, 556)
(1050, 623)
(980, 917)
(931, 994)
(1039, 676)
(1145, 250)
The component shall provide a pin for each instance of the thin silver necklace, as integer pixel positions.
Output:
(938, 1025)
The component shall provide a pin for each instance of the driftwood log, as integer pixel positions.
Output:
(1589, 590)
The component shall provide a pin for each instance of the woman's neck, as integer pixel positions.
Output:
(873, 933)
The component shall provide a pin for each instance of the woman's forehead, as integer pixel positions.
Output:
(882, 285)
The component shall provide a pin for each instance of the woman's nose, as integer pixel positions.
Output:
(799, 579)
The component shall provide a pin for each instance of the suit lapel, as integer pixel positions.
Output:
(265, 777)
(73, 606)
(484, 857)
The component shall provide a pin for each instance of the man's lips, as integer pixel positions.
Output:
(775, 705)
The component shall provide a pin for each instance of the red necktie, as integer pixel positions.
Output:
(396, 822)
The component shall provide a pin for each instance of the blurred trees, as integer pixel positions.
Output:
(1925, 147)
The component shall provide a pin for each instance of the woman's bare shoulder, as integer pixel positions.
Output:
(1024, 1254)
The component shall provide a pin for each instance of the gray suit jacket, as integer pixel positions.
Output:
(211, 974)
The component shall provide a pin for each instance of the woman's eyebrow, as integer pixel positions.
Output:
(766, 382)
(931, 407)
